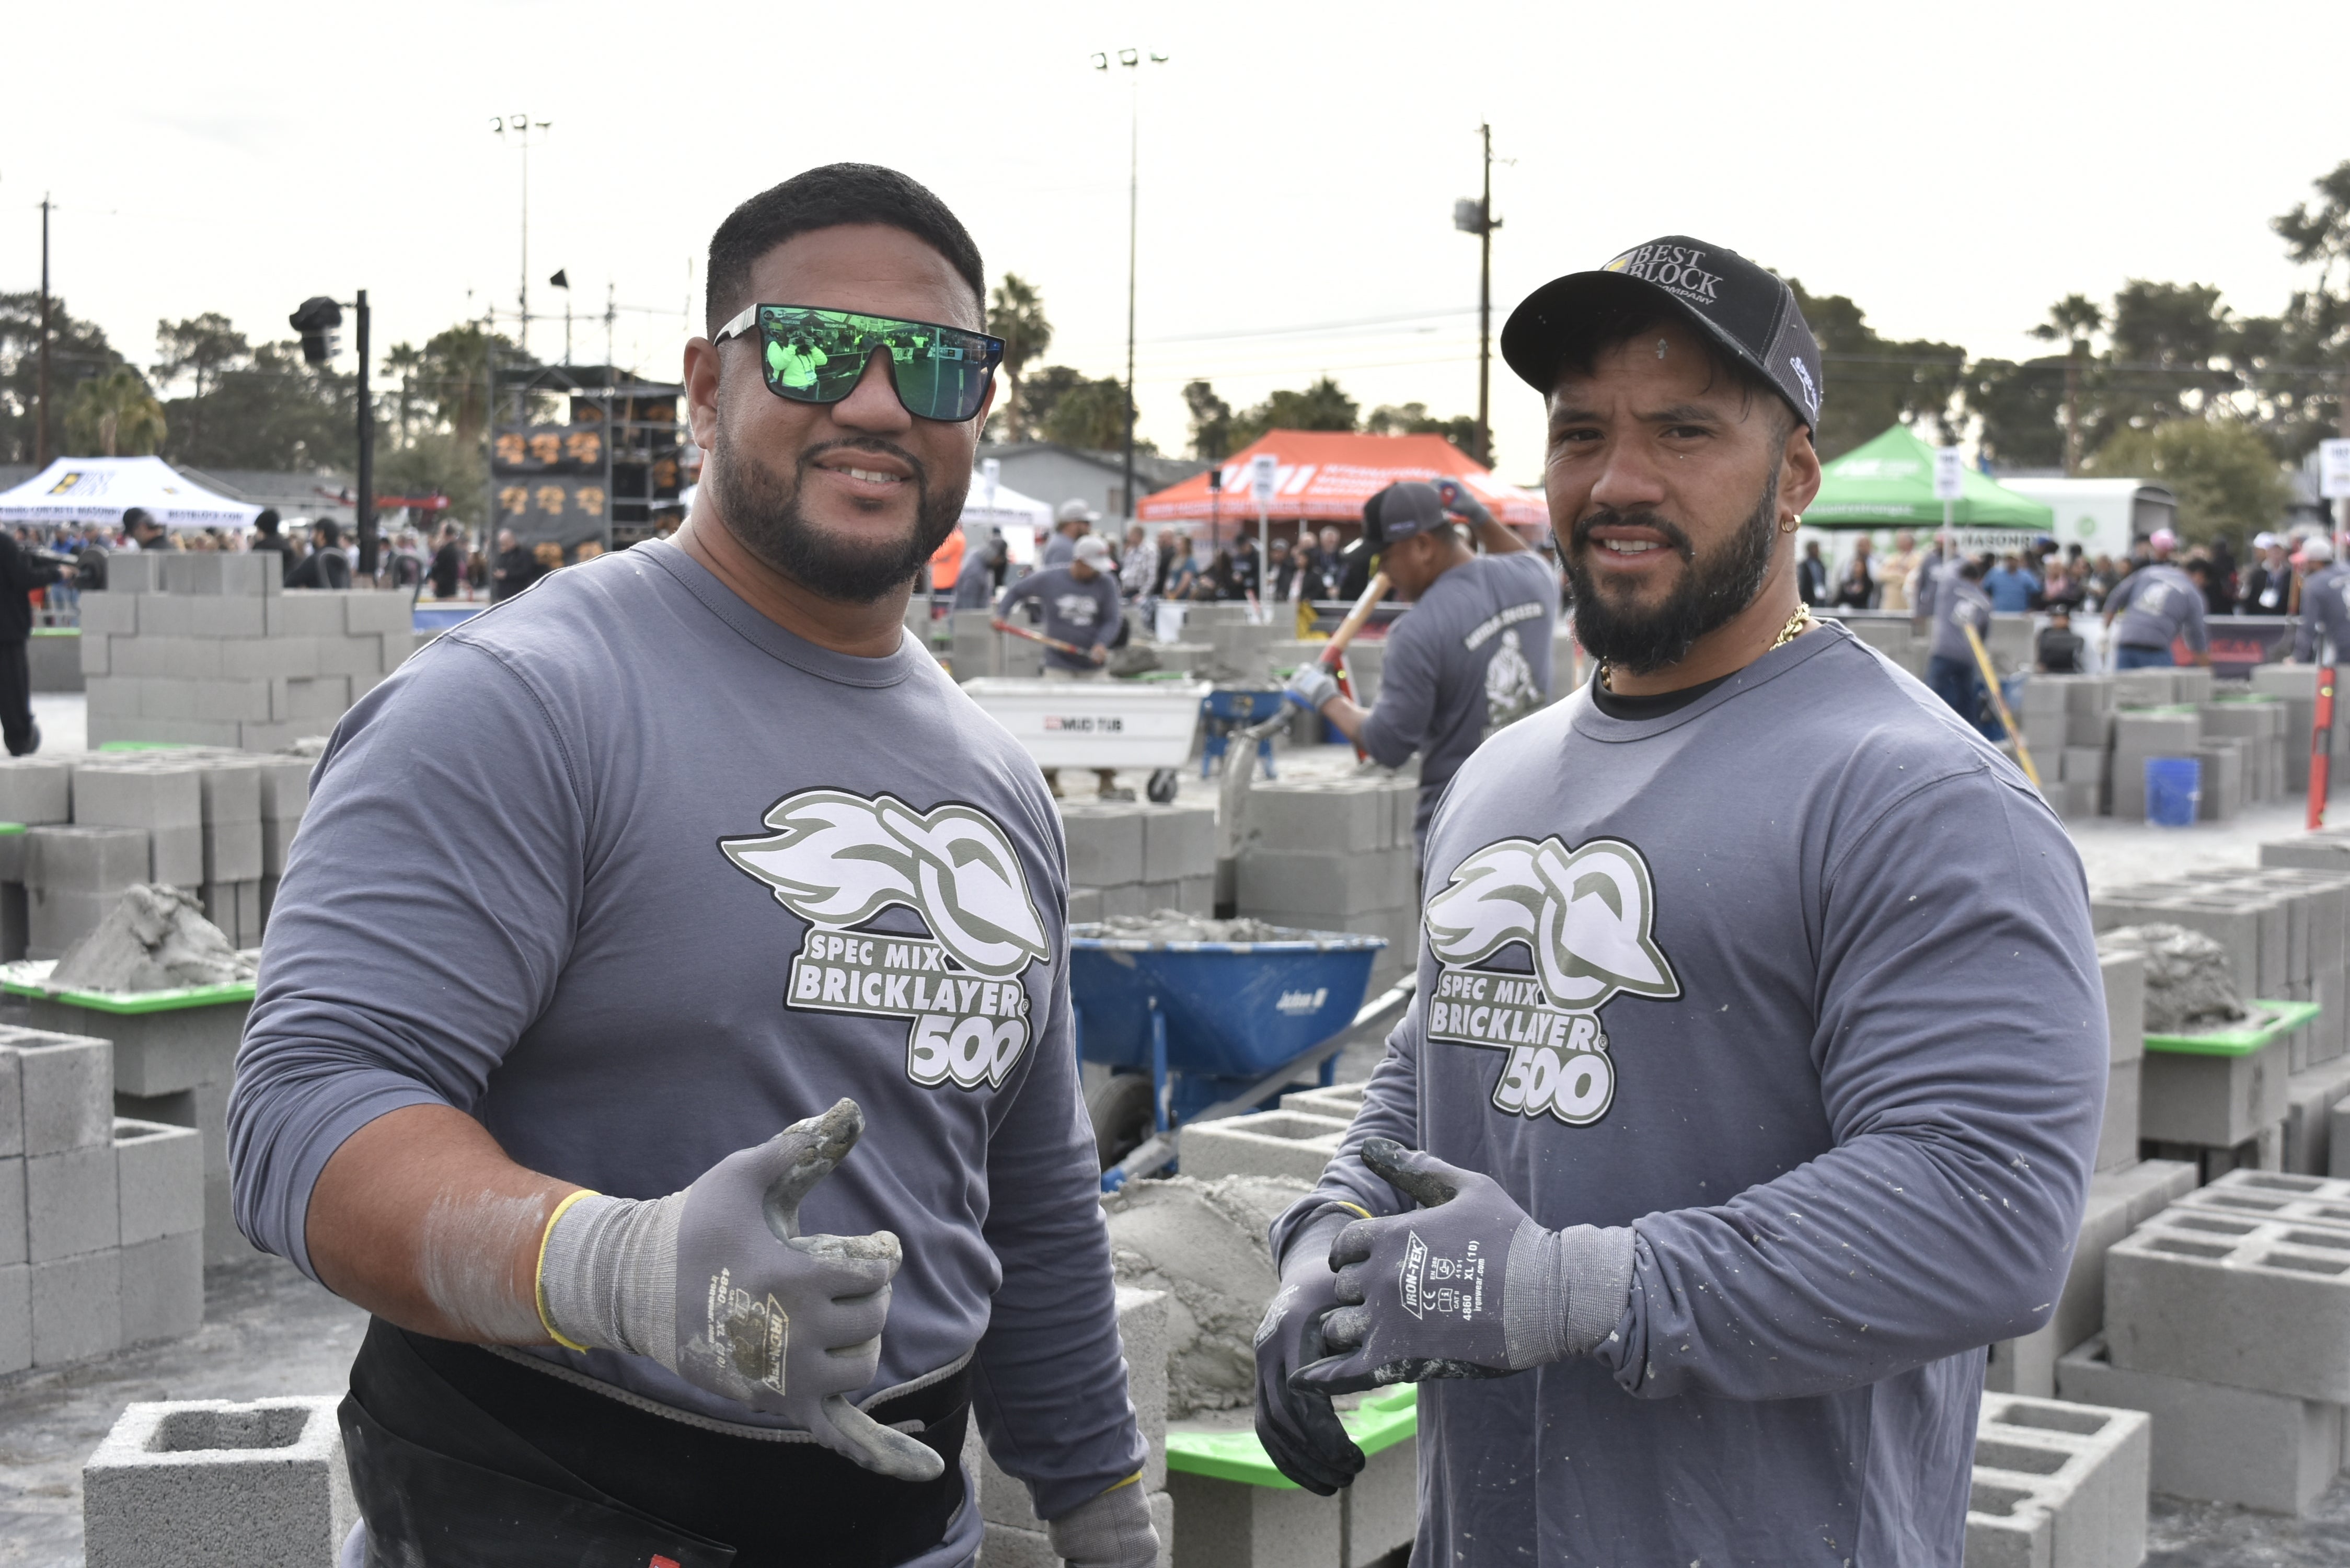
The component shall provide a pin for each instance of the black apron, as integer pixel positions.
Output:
(462, 1458)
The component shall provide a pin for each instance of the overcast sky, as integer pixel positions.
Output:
(1954, 169)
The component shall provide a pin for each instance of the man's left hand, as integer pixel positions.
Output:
(1466, 1286)
(1460, 504)
(1098, 653)
(1311, 685)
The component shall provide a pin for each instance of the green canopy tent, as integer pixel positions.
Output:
(1888, 483)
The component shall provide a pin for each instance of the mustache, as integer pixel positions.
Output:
(1579, 537)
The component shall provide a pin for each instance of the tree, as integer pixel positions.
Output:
(202, 348)
(1038, 395)
(1320, 407)
(2016, 408)
(2227, 478)
(1091, 415)
(2070, 321)
(78, 349)
(1875, 382)
(1015, 312)
(274, 413)
(1212, 422)
(2173, 355)
(2319, 316)
(1413, 419)
(113, 415)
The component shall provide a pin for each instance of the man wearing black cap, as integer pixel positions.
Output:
(1754, 1078)
(1471, 655)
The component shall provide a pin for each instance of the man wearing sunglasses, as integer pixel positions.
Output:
(740, 963)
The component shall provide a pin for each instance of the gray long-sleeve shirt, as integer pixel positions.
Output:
(638, 921)
(1471, 655)
(2160, 604)
(2324, 612)
(1816, 1011)
(1082, 614)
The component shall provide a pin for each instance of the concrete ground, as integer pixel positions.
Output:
(269, 1331)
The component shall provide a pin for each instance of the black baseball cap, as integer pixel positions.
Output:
(1747, 311)
(1406, 508)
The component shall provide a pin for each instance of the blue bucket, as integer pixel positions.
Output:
(2174, 791)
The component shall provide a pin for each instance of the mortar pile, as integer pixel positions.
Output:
(155, 938)
(2188, 983)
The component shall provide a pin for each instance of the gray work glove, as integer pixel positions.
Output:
(717, 1284)
(1465, 1287)
(1310, 686)
(1300, 1431)
(1458, 501)
(1112, 1531)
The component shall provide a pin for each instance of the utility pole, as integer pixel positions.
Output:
(522, 125)
(1131, 59)
(1477, 218)
(41, 450)
(366, 508)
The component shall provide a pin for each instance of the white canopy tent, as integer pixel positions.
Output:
(992, 503)
(101, 488)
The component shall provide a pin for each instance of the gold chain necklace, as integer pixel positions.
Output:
(1797, 624)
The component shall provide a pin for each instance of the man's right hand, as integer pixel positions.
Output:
(1300, 1431)
(717, 1284)
(1311, 685)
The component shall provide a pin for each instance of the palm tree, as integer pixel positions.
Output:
(1015, 312)
(406, 362)
(115, 415)
(2070, 321)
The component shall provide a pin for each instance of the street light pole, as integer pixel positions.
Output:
(365, 507)
(522, 125)
(41, 426)
(1477, 218)
(1132, 60)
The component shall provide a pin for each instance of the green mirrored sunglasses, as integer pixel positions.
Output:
(813, 356)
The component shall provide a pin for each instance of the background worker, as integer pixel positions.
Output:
(1755, 1073)
(2157, 606)
(1471, 654)
(672, 1171)
(22, 571)
(2324, 620)
(1953, 599)
(1070, 524)
(946, 567)
(1080, 609)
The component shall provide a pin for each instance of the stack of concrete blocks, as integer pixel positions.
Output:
(1242, 646)
(100, 1218)
(1137, 857)
(2068, 722)
(1232, 1524)
(204, 648)
(976, 648)
(2228, 1317)
(2119, 1203)
(2009, 641)
(1284, 1142)
(2057, 1486)
(2141, 735)
(2255, 725)
(1335, 854)
(205, 1483)
(2295, 686)
(1892, 636)
(1015, 1536)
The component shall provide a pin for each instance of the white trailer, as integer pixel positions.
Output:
(2104, 516)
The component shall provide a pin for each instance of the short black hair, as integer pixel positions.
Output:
(266, 523)
(135, 516)
(1972, 570)
(324, 531)
(825, 198)
(1618, 322)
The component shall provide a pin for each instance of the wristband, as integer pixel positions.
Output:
(538, 1275)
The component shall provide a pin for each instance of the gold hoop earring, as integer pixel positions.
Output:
(1791, 525)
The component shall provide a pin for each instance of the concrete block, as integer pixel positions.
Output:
(134, 571)
(112, 696)
(97, 653)
(284, 786)
(85, 859)
(137, 794)
(1085, 906)
(368, 614)
(69, 1091)
(1227, 1524)
(16, 1317)
(1341, 816)
(206, 1483)
(2025, 1365)
(160, 1175)
(224, 1242)
(251, 574)
(176, 856)
(1178, 841)
(353, 657)
(2181, 1290)
(35, 791)
(220, 616)
(155, 1052)
(54, 922)
(1197, 894)
(2215, 1101)
(1379, 1513)
(166, 615)
(12, 1247)
(306, 613)
(2082, 765)
(12, 1104)
(314, 699)
(2275, 1194)
(1142, 1332)
(271, 658)
(110, 611)
(2117, 1137)
(276, 840)
(2211, 1442)
(232, 852)
(2080, 1472)
(2125, 983)
(166, 658)
(231, 701)
(1338, 1100)
(2310, 1097)
(1126, 899)
(1323, 882)
(163, 1288)
(71, 1204)
(1266, 1143)
(77, 1307)
(1105, 843)
(192, 572)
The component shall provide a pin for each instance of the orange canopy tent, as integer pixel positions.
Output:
(1324, 476)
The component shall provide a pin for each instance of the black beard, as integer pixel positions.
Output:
(1709, 593)
(765, 518)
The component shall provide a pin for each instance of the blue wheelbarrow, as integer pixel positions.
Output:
(1230, 714)
(1192, 1031)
